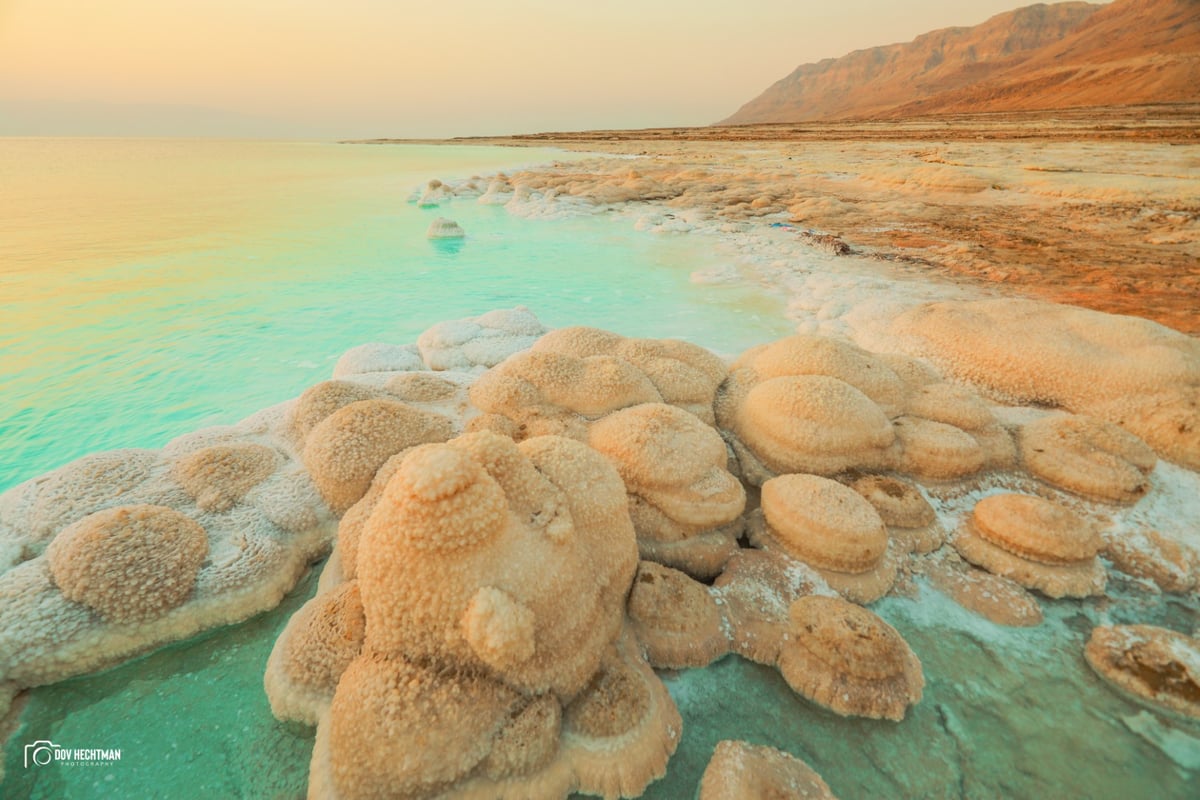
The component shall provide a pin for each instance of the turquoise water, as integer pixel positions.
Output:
(152, 287)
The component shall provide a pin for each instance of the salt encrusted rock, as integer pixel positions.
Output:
(378, 357)
(831, 528)
(345, 449)
(1135, 373)
(442, 228)
(1039, 544)
(682, 498)
(465, 552)
(847, 659)
(1087, 456)
(1169, 564)
(909, 517)
(130, 563)
(742, 771)
(676, 620)
(1152, 665)
(482, 341)
(218, 477)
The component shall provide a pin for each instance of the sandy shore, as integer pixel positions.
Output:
(1099, 209)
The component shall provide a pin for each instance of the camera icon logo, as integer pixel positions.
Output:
(39, 753)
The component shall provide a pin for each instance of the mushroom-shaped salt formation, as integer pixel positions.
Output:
(683, 501)
(910, 520)
(476, 342)
(935, 450)
(217, 477)
(1152, 665)
(845, 658)
(964, 410)
(1087, 456)
(830, 527)
(684, 374)
(464, 554)
(1147, 554)
(434, 192)
(676, 619)
(130, 563)
(1138, 374)
(809, 404)
(742, 771)
(346, 448)
(1039, 544)
(442, 228)
(322, 399)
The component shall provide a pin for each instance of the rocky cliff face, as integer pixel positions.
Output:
(1042, 56)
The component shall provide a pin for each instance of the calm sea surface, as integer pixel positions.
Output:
(150, 287)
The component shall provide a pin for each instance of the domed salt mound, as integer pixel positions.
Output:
(218, 477)
(442, 228)
(320, 641)
(675, 618)
(345, 449)
(936, 451)
(831, 528)
(1129, 371)
(904, 510)
(812, 423)
(742, 771)
(421, 387)
(322, 399)
(1039, 544)
(680, 493)
(1172, 566)
(847, 659)
(377, 357)
(683, 374)
(1087, 456)
(477, 342)
(806, 354)
(1153, 665)
(130, 563)
(950, 405)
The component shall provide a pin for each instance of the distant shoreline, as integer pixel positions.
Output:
(1177, 123)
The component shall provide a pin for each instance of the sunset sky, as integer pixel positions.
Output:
(439, 68)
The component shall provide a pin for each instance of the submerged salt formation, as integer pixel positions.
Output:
(442, 228)
(843, 657)
(1153, 665)
(461, 568)
(740, 771)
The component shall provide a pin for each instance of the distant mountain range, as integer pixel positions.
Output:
(1066, 55)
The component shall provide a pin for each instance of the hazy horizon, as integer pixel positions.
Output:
(365, 68)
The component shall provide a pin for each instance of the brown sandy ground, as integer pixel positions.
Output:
(1098, 207)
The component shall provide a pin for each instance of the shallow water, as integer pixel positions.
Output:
(152, 287)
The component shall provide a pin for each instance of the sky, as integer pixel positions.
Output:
(420, 68)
